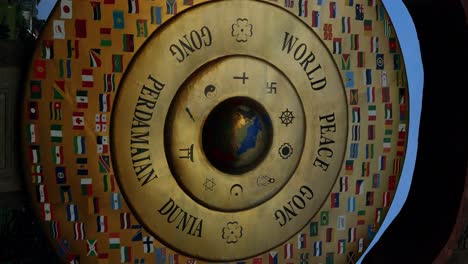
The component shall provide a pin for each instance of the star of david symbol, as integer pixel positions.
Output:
(209, 184)
(286, 117)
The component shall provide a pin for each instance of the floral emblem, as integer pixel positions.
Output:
(232, 232)
(242, 30)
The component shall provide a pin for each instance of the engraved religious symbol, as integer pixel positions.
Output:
(188, 153)
(271, 87)
(265, 180)
(209, 184)
(242, 30)
(190, 114)
(286, 117)
(243, 78)
(285, 151)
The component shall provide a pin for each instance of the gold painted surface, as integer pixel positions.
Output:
(82, 111)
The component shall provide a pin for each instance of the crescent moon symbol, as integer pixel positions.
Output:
(236, 189)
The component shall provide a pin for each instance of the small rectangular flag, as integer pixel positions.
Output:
(80, 28)
(72, 212)
(378, 215)
(301, 241)
(376, 180)
(73, 49)
(335, 200)
(118, 19)
(93, 205)
(365, 169)
(117, 63)
(361, 219)
(95, 58)
(368, 77)
(370, 94)
(386, 199)
(349, 166)
(101, 223)
(371, 132)
(82, 99)
(59, 29)
(125, 254)
(56, 133)
(156, 15)
(35, 89)
(329, 235)
(59, 89)
(32, 133)
(353, 97)
(354, 150)
(313, 229)
(55, 231)
(34, 154)
(379, 61)
(104, 102)
(128, 45)
(359, 11)
(369, 151)
(79, 231)
(354, 41)
(125, 221)
(96, 10)
(336, 45)
(36, 173)
(102, 144)
(341, 222)
(101, 122)
(109, 82)
(372, 112)
(317, 248)
(66, 9)
(341, 246)
(359, 187)
(65, 68)
(352, 234)
(368, 27)
(327, 31)
(302, 8)
(346, 24)
(332, 9)
(343, 184)
(351, 204)
(87, 78)
(329, 259)
(345, 61)
(91, 247)
(47, 211)
(39, 67)
(106, 37)
(142, 28)
(41, 193)
(374, 44)
(65, 194)
(349, 79)
(87, 186)
(114, 240)
(108, 182)
(361, 59)
(133, 7)
(382, 162)
(315, 18)
(171, 7)
(324, 218)
(55, 111)
(78, 120)
(33, 111)
(115, 201)
(356, 115)
(47, 48)
(104, 164)
(370, 199)
(57, 155)
(288, 251)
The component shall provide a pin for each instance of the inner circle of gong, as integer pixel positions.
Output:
(166, 96)
(246, 134)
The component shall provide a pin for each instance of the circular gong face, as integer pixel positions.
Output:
(209, 190)
(233, 130)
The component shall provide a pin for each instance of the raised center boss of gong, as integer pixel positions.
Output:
(237, 135)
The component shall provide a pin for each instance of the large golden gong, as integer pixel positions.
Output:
(215, 131)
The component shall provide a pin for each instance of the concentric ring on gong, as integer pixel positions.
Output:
(245, 141)
(141, 153)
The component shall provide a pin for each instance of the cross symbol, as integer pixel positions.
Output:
(243, 78)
